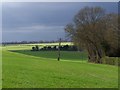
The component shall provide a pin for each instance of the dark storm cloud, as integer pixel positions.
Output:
(22, 14)
(41, 21)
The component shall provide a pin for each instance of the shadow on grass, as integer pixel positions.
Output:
(66, 55)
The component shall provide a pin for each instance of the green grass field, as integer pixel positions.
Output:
(26, 69)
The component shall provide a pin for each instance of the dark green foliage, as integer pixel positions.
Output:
(36, 48)
(54, 48)
(33, 49)
(49, 48)
(62, 48)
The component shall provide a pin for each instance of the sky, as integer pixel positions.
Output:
(35, 21)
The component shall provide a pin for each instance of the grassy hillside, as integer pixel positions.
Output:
(27, 70)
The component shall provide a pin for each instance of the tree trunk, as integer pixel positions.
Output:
(99, 54)
(94, 54)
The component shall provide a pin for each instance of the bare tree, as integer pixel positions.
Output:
(111, 35)
(88, 30)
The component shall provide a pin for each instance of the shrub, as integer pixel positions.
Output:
(37, 48)
(62, 48)
(54, 48)
(49, 48)
(44, 48)
(66, 47)
(72, 48)
(33, 48)
(110, 60)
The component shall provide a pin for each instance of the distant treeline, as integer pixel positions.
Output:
(32, 42)
(54, 48)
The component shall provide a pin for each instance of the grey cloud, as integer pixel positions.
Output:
(36, 28)
(37, 21)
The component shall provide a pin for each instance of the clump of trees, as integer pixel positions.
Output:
(55, 48)
(68, 48)
(36, 48)
(96, 31)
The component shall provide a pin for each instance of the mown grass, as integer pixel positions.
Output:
(22, 70)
